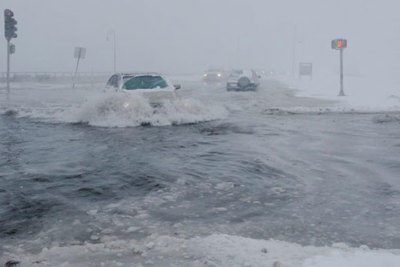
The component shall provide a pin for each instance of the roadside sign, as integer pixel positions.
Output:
(80, 52)
(305, 69)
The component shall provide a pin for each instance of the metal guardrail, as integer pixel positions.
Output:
(55, 73)
(45, 76)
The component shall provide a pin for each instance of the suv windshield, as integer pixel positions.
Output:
(236, 72)
(145, 82)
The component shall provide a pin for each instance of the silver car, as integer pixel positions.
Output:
(243, 80)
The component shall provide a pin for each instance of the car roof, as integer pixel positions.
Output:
(134, 74)
(246, 72)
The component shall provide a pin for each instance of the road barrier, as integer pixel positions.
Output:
(54, 76)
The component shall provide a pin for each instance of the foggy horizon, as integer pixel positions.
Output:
(166, 35)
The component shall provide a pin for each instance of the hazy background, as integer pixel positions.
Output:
(180, 36)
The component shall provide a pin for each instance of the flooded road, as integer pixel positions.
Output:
(265, 165)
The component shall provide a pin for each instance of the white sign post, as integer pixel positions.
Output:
(80, 53)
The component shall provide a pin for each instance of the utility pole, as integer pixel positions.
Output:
(340, 44)
(10, 33)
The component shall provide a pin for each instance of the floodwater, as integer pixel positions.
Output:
(78, 168)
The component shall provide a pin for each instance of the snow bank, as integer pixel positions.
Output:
(364, 94)
(225, 250)
(355, 258)
(214, 250)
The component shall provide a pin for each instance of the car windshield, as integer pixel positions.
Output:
(236, 72)
(145, 82)
(214, 71)
(127, 77)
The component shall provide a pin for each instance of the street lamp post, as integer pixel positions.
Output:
(113, 34)
(294, 51)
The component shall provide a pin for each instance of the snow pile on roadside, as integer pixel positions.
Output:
(361, 93)
(224, 250)
(357, 258)
(387, 118)
(215, 250)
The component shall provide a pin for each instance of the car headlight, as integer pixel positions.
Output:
(219, 75)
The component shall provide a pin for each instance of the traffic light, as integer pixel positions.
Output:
(339, 44)
(12, 48)
(9, 25)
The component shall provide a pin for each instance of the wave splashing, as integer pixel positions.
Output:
(130, 110)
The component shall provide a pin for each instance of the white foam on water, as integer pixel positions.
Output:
(96, 108)
(126, 110)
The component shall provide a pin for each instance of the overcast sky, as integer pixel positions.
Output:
(189, 35)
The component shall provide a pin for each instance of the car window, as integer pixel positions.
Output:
(145, 82)
(236, 73)
(113, 81)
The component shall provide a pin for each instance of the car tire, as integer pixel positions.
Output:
(244, 82)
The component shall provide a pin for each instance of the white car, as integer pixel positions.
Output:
(243, 80)
(153, 86)
(214, 75)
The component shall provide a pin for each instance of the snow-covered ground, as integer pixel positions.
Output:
(361, 93)
(214, 250)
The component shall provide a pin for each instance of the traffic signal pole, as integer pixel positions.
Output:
(341, 74)
(10, 33)
(8, 66)
(340, 44)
